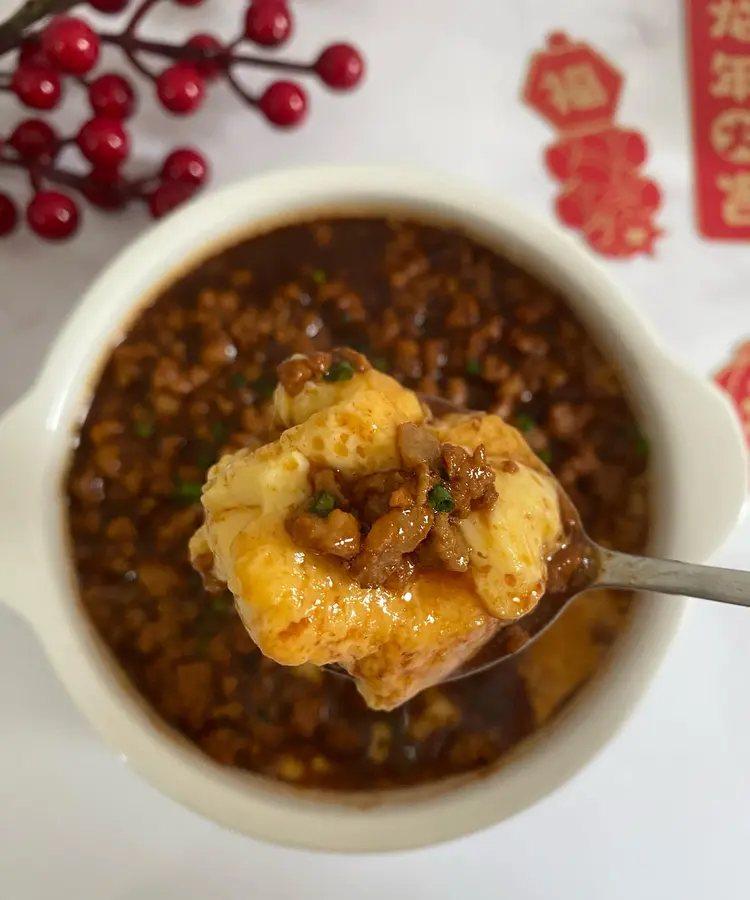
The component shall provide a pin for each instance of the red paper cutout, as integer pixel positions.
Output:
(603, 194)
(734, 378)
(719, 72)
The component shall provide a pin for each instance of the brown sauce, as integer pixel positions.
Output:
(192, 380)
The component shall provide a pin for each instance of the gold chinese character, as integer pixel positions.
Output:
(735, 207)
(731, 18)
(576, 89)
(732, 76)
(730, 136)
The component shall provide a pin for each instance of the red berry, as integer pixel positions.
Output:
(340, 66)
(31, 53)
(185, 165)
(268, 23)
(37, 86)
(181, 89)
(103, 142)
(8, 215)
(208, 68)
(167, 196)
(34, 139)
(109, 6)
(283, 103)
(52, 215)
(71, 44)
(112, 96)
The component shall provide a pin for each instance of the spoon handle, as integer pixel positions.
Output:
(668, 577)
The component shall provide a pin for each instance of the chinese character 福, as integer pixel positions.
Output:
(576, 89)
(731, 18)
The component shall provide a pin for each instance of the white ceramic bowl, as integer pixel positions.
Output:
(699, 466)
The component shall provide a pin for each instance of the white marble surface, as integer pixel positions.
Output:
(664, 812)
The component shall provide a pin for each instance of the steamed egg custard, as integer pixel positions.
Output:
(372, 535)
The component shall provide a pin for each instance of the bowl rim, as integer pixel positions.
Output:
(44, 419)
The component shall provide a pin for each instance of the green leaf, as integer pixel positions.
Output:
(441, 499)
(220, 433)
(340, 371)
(322, 504)
(473, 367)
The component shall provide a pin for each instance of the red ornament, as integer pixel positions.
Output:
(63, 53)
(268, 23)
(112, 96)
(37, 86)
(71, 45)
(284, 104)
(52, 215)
(103, 142)
(734, 378)
(8, 215)
(186, 166)
(340, 66)
(602, 195)
(34, 139)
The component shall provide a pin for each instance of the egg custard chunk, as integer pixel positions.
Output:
(371, 535)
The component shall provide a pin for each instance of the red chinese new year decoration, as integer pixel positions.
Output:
(734, 378)
(603, 192)
(719, 72)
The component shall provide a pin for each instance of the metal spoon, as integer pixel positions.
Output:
(601, 568)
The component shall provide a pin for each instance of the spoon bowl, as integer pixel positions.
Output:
(595, 568)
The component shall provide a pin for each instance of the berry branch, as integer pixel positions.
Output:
(14, 27)
(65, 50)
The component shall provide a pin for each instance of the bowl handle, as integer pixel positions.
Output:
(713, 458)
(21, 446)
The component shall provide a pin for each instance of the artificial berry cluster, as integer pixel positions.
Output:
(604, 193)
(66, 50)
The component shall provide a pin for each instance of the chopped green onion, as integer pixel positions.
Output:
(143, 428)
(641, 444)
(220, 433)
(264, 386)
(319, 276)
(206, 457)
(222, 604)
(188, 490)
(473, 367)
(237, 380)
(342, 370)
(322, 504)
(525, 423)
(545, 456)
(441, 499)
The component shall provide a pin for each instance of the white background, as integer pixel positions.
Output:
(665, 811)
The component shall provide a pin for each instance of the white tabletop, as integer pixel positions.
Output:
(665, 811)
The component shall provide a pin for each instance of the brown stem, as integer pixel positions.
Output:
(131, 45)
(12, 30)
